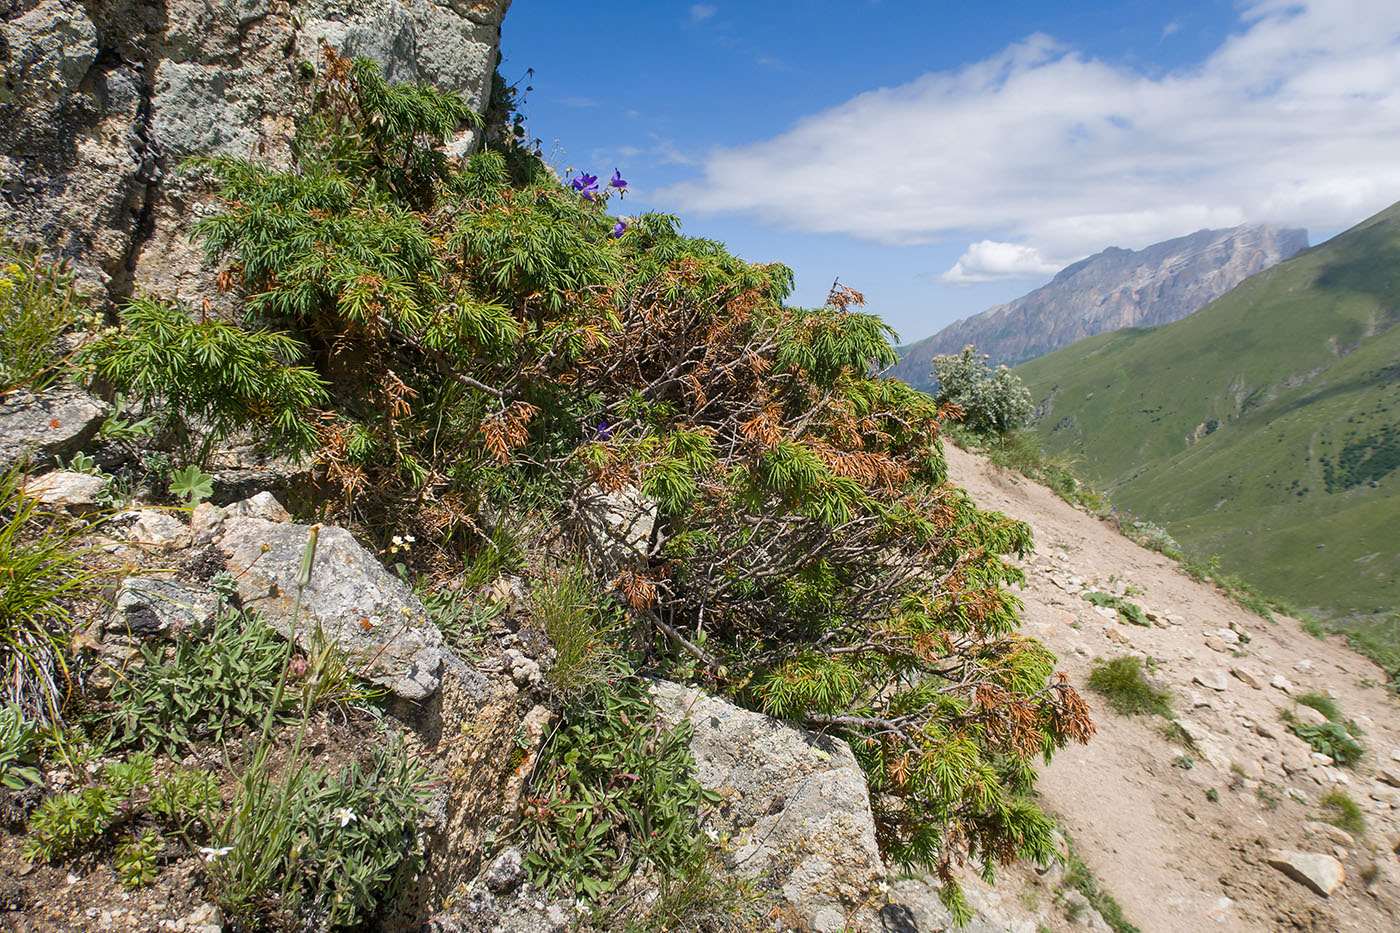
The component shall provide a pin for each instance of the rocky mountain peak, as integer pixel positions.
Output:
(1112, 289)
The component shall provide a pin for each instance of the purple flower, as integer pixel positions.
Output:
(617, 181)
(604, 431)
(619, 229)
(586, 185)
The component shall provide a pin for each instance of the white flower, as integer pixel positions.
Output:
(583, 910)
(409, 538)
(211, 853)
(712, 833)
(398, 539)
(883, 887)
(346, 816)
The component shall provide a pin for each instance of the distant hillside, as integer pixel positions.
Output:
(1264, 428)
(1114, 289)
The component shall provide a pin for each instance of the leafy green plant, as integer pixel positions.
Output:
(585, 828)
(186, 797)
(1340, 810)
(210, 377)
(211, 685)
(1128, 611)
(64, 823)
(138, 859)
(37, 303)
(43, 571)
(1336, 738)
(192, 484)
(18, 756)
(1122, 683)
(1331, 739)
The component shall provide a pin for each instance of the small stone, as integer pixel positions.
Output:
(1251, 678)
(75, 492)
(1389, 775)
(1322, 873)
(1279, 682)
(505, 872)
(1214, 680)
(1304, 666)
(156, 528)
(264, 505)
(1309, 716)
(1228, 636)
(1216, 643)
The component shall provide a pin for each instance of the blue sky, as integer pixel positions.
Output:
(946, 157)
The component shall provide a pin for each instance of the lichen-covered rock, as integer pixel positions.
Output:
(619, 525)
(36, 427)
(101, 102)
(149, 607)
(795, 805)
(368, 612)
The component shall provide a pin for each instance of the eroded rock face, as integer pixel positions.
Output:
(370, 613)
(102, 102)
(795, 805)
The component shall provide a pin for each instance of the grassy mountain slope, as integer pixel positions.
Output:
(1264, 428)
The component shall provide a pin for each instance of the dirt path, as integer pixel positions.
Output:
(1175, 859)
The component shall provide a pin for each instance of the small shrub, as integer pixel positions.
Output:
(64, 823)
(1331, 739)
(1152, 536)
(327, 849)
(1327, 707)
(992, 401)
(37, 304)
(138, 860)
(1340, 810)
(211, 378)
(1184, 762)
(187, 798)
(1122, 684)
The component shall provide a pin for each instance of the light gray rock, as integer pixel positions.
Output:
(1250, 677)
(1323, 873)
(795, 806)
(1214, 680)
(619, 525)
(149, 607)
(38, 426)
(75, 492)
(264, 505)
(1309, 716)
(368, 612)
(505, 872)
(156, 528)
(1389, 774)
(1279, 682)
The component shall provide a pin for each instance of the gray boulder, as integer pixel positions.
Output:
(619, 525)
(795, 806)
(38, 426)
(368, 612)
(149, 607)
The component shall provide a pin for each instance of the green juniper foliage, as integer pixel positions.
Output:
(210, 376)
(494, 340)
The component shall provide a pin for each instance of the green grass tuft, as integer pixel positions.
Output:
(1121, 682)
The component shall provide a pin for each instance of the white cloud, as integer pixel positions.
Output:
(700, 12)
(990, 261)
(1294, 119)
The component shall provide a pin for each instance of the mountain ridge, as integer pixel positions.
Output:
(1112, 289)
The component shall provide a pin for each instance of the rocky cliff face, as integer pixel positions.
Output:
(103, 99)
(1113, 289)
